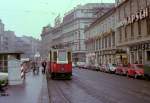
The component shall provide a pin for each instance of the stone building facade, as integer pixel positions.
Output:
(133, 31)
(46, 41)
(100, 39)
(70, 32)
(7, 39)
(127, 40)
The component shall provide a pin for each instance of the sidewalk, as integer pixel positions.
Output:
(33, 91)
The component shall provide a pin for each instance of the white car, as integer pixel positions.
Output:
(111, 68)
(3, 77)
(81, 64)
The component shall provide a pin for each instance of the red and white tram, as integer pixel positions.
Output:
(60, 63)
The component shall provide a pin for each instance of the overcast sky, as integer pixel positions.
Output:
(27, 17)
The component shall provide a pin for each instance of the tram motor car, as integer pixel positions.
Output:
(60, 63)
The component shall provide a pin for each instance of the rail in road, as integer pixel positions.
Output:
(95, 87)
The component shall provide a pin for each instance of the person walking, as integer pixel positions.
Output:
(34, 67)
(44, 63)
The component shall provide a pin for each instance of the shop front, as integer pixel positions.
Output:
(122, 57)
(140, 53)
(107, 56)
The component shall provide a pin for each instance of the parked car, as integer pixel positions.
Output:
(3, 78)
(122, 69)
(85, 66)
(147, 70)
(103, 68)
(81, 64)
(136, 70)
(95, 67)
(74, 65)
(111, 68)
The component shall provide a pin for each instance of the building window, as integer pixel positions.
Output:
(148, 55)
(113, 39)
(102, 43)
(85, 26)
(105, 42)
(99, 43)
(125, 33)
(120, 39)
(110, 41)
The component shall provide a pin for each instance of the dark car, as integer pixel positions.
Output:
(147, 70)
(95, 67)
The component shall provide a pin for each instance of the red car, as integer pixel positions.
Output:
(122, 70)
(136, 70)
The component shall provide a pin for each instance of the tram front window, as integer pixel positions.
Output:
(62, 56)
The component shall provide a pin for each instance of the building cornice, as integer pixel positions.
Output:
(98, 20)
(121, 4)
(78, 19)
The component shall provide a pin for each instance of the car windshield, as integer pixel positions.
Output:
(112, 65)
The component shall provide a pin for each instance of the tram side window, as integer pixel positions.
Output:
(55, 56)
(50, 55)
(69, 57)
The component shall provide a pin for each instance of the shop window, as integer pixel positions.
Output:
(148, 55)
(1, 65)
(132, 57)
(140, 56)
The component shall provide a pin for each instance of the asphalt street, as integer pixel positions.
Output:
(89, 86)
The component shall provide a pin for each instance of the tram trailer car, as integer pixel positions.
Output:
(60, 63)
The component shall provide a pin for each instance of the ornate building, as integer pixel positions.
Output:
(133, 30)
(100, 39)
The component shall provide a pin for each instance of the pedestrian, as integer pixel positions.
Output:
(34, 67)
(44, 63)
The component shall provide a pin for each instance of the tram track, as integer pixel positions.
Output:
(99, 95)
(56, 93)
(124, 89)
(106, 89)
(60, 90)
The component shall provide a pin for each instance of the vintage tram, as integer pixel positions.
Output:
(60, 63)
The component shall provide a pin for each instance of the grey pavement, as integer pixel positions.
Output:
(34, 90)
